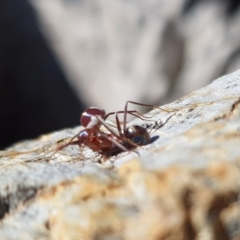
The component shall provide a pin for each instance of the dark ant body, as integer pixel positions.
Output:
(111, 143)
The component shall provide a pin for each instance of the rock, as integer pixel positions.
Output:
(171, 48)
(184, 185)
(105, 49)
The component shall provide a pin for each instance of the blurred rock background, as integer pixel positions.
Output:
(59, 56)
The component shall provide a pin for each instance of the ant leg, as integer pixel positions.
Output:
(135, 114)
(115, 134)
(107, 127)
(159, 123)
(113, 141)
(132, 112)
(119, 130)
(140, 104)
(122, 134)
(118, 124)
(120, 145)
(162, 124)
(71, 142)
(149, 106)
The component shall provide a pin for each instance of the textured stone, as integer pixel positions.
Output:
(184, 185)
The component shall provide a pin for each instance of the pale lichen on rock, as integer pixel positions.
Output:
(184, 185)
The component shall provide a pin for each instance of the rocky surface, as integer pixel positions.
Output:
(184, 185)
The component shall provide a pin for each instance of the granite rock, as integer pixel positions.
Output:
(183, 185)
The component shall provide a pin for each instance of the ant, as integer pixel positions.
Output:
(111, 143)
